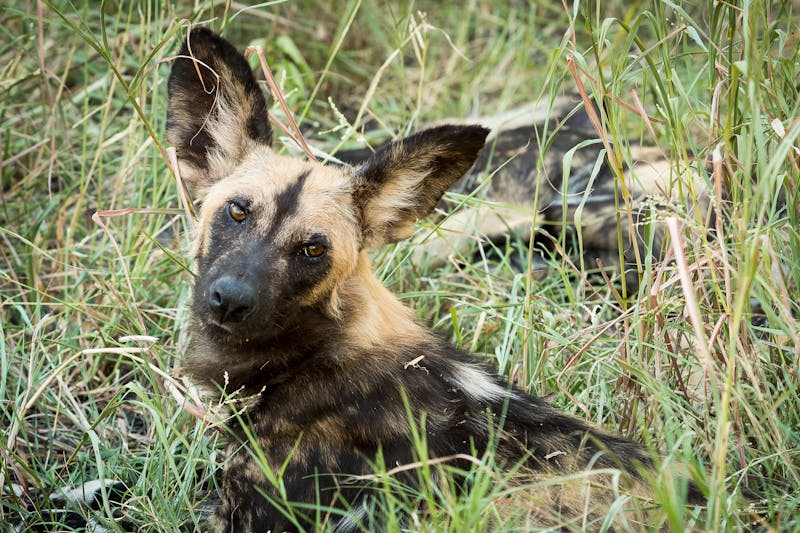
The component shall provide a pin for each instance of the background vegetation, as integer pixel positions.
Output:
(701, 362)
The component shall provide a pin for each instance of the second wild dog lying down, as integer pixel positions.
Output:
(287, 312)
(548, 172)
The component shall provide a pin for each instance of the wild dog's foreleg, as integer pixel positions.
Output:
(603, 234)
(304, 469)
(459, 232)
(608, 227)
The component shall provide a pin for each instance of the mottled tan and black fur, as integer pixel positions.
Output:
(287, 311)
(544, 170)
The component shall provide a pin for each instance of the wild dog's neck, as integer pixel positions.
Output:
(374, 316)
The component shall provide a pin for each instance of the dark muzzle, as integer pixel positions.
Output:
(231, 300)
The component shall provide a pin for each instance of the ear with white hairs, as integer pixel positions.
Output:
(404, 181)
(216, 110)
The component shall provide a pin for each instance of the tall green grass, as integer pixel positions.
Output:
(701, 361)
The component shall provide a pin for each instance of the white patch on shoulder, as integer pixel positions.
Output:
(85, 494)
(477, 384)
(350, 523)
(16, 490)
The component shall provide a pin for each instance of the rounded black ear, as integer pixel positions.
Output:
(215, 106)
(403, 181)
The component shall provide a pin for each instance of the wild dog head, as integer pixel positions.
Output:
(279, 237)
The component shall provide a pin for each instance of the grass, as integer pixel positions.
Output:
(701, 362)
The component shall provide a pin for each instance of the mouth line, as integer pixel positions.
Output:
(221, 325)
(235, 333)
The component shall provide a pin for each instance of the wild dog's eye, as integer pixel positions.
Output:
(314, 250)
(236, 212)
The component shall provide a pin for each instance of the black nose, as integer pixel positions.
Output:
(230, 299)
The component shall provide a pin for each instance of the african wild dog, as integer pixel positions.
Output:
(548, 172)
(287, 311)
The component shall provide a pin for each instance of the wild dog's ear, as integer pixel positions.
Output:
(404, 180)
(216, 110)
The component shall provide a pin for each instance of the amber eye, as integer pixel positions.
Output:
(236, 212)
(314, 250)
